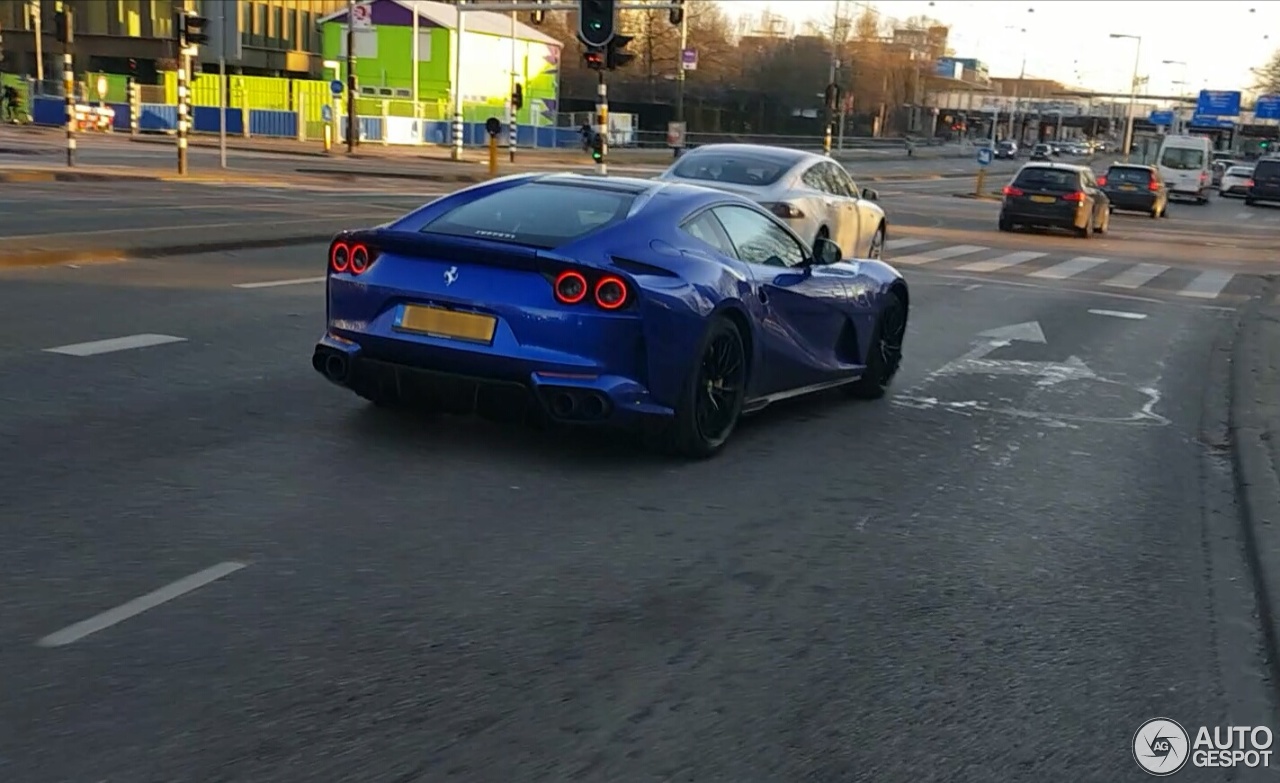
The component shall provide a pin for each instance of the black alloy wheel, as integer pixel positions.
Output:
(712, 402)
(885, 356)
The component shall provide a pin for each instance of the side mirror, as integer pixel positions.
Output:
(826, 252)
(870, 195)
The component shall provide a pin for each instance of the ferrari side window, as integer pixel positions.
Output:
(706, 228)
(757, 239)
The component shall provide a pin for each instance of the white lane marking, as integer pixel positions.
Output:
(941, 254)
(995, 264)
(1069, 268)
(1208, 284)
(1119, 314)
(1244, 215)
(898, 244)
(1136, 276)
(115, 344)
(139, 605)
(277, 283)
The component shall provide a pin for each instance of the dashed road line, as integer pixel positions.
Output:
(1208, 284)
(1069, 269)
(1136, 276)
(278, 283)
(115, 344)
(905, 242)
(1119, 314)
(941, 254)
(76, 632)
(1003, 262)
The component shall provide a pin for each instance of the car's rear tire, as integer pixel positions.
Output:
(1087, 231)
(884, 356)
(714, 393)
(1248, 202)
(1005, 224)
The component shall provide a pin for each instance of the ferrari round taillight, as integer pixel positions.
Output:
(340, 257)
(571, 287)
(359, 259)
(611, 293)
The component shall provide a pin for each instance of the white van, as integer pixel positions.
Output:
(1186, 164)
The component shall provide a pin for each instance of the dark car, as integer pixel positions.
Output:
(1265, 185)
(1135, 188)
(1006, 149)
(1056, 195)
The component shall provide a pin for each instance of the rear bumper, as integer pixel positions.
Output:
(1140, 201)
(1058, 217)
(1264, 194)
(458, 379)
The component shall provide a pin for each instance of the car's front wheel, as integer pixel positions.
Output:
(712, 401)
(876, 249)
(885, 354)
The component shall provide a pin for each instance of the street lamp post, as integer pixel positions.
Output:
(1133, 93)
(1182, 90)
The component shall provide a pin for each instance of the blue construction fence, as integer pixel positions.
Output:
(163, 118)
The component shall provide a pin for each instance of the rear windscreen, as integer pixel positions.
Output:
(1049, 179)
(1239, 171)
(536, 215)
(1129, 176)
(731, 169)
(1267, 168)
(1182, 158)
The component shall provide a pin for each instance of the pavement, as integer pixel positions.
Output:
(216, 566)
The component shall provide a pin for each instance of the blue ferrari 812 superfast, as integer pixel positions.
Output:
(664, 307)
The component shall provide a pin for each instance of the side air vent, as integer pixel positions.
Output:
(638, 268)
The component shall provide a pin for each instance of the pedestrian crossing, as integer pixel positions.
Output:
(1120, 275)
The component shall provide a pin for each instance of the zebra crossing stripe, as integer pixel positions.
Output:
(1003, 262)
(1208, 284)
(1069, 268)
(1136, 276)
(905, 242)
(941, 254)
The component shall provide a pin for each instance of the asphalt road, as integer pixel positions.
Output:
(996, 574)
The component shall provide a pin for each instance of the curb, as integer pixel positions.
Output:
(345, 174)
(979, 196)
(38, 175)
(54, 257)
(1257, 482)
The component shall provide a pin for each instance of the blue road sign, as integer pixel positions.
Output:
(1161, 118)
(1218, 103)
(335, 86)
(1220, 123)
(1267, 108)
(326, 113)
(984, 156)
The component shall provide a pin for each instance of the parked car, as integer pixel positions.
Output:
(1135, 188)
(1056, 195)
(815, 196)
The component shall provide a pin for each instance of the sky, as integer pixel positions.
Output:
(1069, 40)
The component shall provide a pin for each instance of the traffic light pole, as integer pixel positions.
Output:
(184, 71)
(353, 123)
(602, 123)
(69, 89)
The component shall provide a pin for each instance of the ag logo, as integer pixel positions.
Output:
(1161, 746)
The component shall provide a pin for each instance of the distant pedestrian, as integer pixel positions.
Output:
(12, 104)
(587, 136)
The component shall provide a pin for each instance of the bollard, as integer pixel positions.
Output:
(328, 137)
(493, 127)
(982, 180)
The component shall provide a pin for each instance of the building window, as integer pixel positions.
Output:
(289, 33)
(261, 23)
(307, 33)
(92, 18)
(277, 25)
(161, 19)
(130, 17)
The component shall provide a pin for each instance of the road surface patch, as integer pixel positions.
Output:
(115, 344)
(99, 622)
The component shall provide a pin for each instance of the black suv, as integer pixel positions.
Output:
(1056, 195)
(1265, 185)
(1136, 188)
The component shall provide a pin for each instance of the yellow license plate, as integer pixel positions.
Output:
(1128, 187)
(439, 322)
(1043, 199)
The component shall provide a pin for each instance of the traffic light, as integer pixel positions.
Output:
(617, 56)
(597, 147)
(517, 98)
(832, 96)
(594, 59)
(676, 14)
(64, 26)
(539, 16)
(191, 30)
(1264, 145)
(595, 22)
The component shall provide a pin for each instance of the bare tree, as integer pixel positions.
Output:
(1269, 76)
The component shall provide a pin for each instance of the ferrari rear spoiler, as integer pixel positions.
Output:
(439, 247)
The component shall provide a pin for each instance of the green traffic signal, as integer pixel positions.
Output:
(595, 24)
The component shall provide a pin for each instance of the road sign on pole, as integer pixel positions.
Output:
(335, 87)
(984, 156)
(1267, 108)
(326, 113)
(675, 134)
(1161, 118)
(362, 16)
(689, 59)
